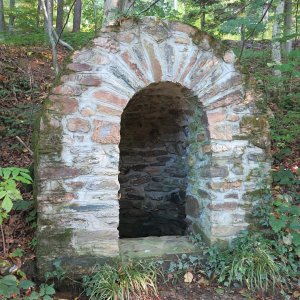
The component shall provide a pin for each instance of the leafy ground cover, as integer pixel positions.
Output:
(25, 79)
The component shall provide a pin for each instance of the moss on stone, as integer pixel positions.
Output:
(54, 242)
(256, 130)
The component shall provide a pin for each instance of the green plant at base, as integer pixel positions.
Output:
(122, 280)
(250, 262)
(8, 188)
(58, 272)
(11, 287)
(184, 263)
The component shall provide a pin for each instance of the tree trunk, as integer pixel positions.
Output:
(202, 16)
(126, 5)
(46, 5)
(287, 27)
(77, 16)
(59, 16)
(38, 14)
(11, 20)
(2, 21)
(243, 33)
(109, 11)
(49, 7)
(175, 4)
(276, 49)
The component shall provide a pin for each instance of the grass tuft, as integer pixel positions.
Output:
(250, 263)
(122, 280)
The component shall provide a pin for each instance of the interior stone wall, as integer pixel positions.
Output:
(153, 161)
(78, 152)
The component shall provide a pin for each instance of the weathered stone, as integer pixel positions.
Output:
(176, 26)
(219, 148)
(192, 207)
(78, 125)
(77, 67)
(126, 37)
(203, 194)
(108, 111)
(237, 169)
(158, 32)
(225, 185)
(223, 231)
(221, 132)
(182, 40)
(70, 77)
(223, 206)
(231, 196)
(232, 98)
(107, 43)
(133, 66)
(63, 104)
(210, 172)
(90, 80)
(111, 98)
(104, 184)
(69, 90)
(155, 64)
(76, 184)
(189, 67)
(233, 118)
(206, 148)
(215, 117)
(87, 112)
(229, 57)
(60, 172)
(106, 132)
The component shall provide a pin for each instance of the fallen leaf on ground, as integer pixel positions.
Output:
(188, 277)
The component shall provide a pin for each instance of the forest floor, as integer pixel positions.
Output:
(25, 79)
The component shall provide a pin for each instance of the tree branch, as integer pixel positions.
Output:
(296, 25)
(253, 30)
(51, 38)
(131, 5)
(58, 40)
(147, 8)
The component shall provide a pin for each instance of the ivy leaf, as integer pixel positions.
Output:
(296, 238)
(50, 290)
(295, 210)
(295, 224)
(17, 253)
(7, 204)
(6, 173)
(2, 194)
(277, 224)
(9, 280)
(26, 284)
(298, 251)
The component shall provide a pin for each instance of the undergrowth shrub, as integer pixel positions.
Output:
(250, 262)
(122, 280)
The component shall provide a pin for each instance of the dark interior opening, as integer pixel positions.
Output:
(153, 162)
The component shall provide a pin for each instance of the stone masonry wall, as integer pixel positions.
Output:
(77, 149)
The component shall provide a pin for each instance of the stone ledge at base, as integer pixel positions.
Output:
(151, 247)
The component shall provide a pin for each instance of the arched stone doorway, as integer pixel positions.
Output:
(157, 128)
(222, 138)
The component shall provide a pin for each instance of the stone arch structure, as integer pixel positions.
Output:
(210, 141)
